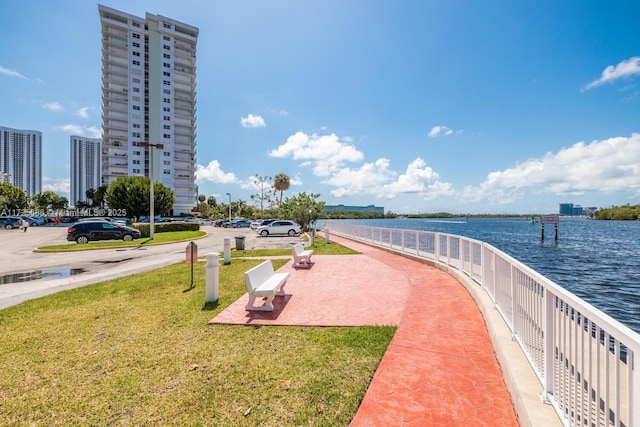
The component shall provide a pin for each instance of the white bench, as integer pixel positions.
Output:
(262, 281)
(301, 257)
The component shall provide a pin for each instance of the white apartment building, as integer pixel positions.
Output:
(149, 97)
(21, 159)
(85, 167)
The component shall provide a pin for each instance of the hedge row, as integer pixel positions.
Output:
(162, 227)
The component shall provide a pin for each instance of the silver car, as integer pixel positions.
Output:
(289, 228)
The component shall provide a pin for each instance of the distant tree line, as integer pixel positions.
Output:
(341, 214)
(626, 212)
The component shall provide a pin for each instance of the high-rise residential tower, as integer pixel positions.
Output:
(21, 159)
(149, 101)
(85, 167)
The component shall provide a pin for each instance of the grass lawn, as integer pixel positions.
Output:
(138, 351)
(159, 238)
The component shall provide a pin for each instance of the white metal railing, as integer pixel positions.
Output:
(586, 361)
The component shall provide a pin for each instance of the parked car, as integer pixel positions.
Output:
(31, 220)
(258, 222)
(39, 219)
(240, 223)
(104, 218)
(9, 222)
(85, 231)
(157, 219)
(279, 227)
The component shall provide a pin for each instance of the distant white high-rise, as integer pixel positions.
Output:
(85, 167)
(149, 97)
(21, 159)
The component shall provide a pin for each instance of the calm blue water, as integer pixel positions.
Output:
(599, 261)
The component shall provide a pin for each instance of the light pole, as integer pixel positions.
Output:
(151, 147)
(229, 194)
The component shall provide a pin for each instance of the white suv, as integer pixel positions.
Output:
(280, 227)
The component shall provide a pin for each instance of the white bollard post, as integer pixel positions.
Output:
(326, 235)
(227, 250)
(213, 278)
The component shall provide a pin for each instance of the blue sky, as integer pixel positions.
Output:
(418, 106)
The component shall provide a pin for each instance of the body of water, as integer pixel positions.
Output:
(599, 261)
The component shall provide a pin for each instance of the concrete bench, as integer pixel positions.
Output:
(262, 281)
(301, 257)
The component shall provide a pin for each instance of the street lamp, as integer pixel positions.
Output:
(151, 148)
(229, 194)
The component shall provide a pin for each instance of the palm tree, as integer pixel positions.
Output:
(281, 183)
(99, 195)
(202, 198)
(91, 194)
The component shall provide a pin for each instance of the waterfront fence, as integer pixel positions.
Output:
(586, 361)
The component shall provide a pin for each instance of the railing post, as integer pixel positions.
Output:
(549, 338)
(514, 303)
(634, 389)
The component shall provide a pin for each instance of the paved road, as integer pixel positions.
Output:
(19, 259)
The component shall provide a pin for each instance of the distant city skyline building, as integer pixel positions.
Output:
(571, 209)
(21, 159)
(149, 97)
(85, 167)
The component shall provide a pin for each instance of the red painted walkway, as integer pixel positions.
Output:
(440, 368)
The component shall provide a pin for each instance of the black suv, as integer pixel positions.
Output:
(9, 222)
(83, 232)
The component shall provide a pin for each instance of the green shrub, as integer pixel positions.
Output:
(163, 227)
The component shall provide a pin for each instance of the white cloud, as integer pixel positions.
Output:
(83, 112)
(367, 179)
(71, 129)
(295, 180)
(442, 131)
(89, 131)
(324, 153)
(94, 131)
(214, 173)
(419, 179)
(379, 180)
(58, 185)
(327, 155)
(252, 121)
(53, 106)
(605, 166)
(11, 73)
(626, 68)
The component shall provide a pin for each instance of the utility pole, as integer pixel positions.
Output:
(151, 148)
